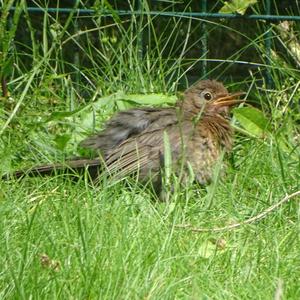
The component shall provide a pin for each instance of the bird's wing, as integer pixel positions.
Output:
(144, 153)
(129, 124)
(136, 154)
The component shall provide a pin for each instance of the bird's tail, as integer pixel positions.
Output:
(74, 166)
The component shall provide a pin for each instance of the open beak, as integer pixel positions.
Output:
(229, 100)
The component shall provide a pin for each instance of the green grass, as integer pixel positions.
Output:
(114, 242)
(64, 239)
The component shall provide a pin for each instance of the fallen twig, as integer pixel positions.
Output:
(248, 221)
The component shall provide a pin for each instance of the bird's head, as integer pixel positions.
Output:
(209, 97)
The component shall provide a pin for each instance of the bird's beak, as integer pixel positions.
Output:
(228, 100)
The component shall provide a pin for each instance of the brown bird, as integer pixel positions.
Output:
(133, 141)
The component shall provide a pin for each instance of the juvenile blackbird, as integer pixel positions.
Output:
(197, 127)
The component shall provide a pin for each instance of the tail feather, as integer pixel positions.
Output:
(76, 166)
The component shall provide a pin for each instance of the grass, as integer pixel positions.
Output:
(112, 243)
(64, 239)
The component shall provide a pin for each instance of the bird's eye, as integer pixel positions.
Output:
(207, 96)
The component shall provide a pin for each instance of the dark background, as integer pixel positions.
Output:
(224, 37)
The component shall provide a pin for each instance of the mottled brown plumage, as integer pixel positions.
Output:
(133, 141)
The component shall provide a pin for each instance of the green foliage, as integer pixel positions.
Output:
(69, 239)
(66, 239)
(8, 27)
(252, 120)
(236, 6)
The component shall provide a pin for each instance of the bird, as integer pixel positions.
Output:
(133, 141)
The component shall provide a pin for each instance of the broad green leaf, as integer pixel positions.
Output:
(153, 99)
(62, 140)
(130, 100)
(252, 120)
(108, 100)
(119, 100)
(124, 104)
(87, 109)
(58, 115)
(86, 118)
(236, 6)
